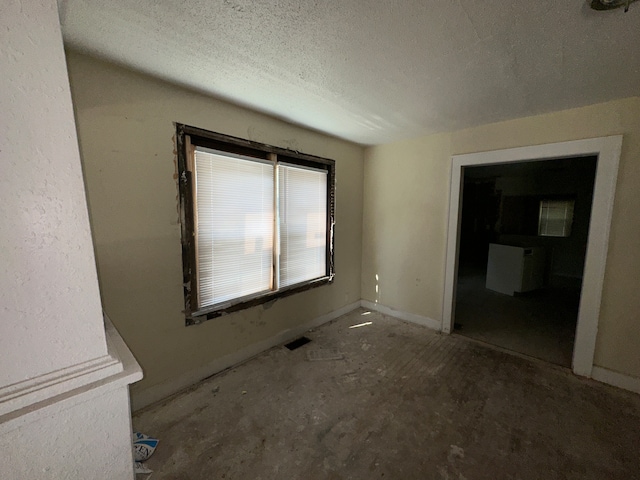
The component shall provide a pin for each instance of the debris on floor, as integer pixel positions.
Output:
(417, 404)
(141, 468)
(322, 354)
(143, 448)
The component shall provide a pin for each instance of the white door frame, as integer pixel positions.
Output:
(608, 151)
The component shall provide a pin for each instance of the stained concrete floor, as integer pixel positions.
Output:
(540, 324)
(400, 402)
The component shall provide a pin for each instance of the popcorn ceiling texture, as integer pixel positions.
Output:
(371, 71)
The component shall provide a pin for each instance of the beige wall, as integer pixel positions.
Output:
(125, 131)
(404, 224)
(406, 195)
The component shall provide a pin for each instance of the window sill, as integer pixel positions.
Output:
(200, 316)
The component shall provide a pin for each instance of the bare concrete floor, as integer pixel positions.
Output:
(402, 402)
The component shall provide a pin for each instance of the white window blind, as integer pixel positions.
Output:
(556, 217)
(303, 223)
(234, 226)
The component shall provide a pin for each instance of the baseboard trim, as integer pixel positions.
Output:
(616, 379)
(406, 316)
(161, 391)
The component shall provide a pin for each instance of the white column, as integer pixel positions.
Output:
(58, 375)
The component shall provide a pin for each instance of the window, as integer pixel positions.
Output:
(556, 218)
(257, 222)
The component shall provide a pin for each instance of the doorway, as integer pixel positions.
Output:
(607, 152)
(523, 237)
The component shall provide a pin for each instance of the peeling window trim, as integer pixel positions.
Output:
(185, 137)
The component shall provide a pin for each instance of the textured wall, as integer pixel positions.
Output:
(90, 440)
(406, 196)
(125, 130)
(50, 305)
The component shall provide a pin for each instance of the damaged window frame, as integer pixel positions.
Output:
(188, 137)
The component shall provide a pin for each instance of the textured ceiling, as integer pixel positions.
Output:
(373, 71)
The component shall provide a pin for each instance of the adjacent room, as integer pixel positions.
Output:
(328, 239)
(523, 242)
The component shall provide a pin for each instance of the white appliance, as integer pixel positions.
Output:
(515, 269)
